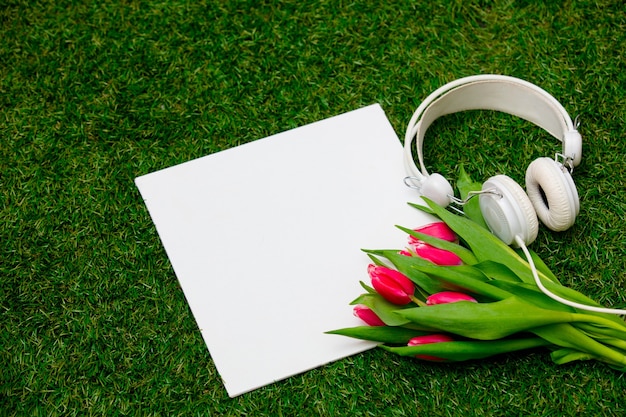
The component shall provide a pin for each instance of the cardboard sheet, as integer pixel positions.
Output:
(265, 240)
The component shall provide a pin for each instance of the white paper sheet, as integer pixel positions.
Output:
(265, 240)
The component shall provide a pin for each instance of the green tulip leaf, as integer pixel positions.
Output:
(489, 321)
(531, 294)
(496, 270)
(367, 288)
(458, 351)
(382, 334)
(566, 355)
(483, 321)
(471, 208)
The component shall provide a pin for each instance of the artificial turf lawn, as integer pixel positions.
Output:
(93, 94)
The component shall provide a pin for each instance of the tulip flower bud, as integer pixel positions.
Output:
(367, 315)
(435, 255)
(446, 297)
(425, 340)
(392, 285)
(438, 229)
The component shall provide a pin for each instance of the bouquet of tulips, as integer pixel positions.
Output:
(458, 293)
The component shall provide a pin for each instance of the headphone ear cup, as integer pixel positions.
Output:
(507, 210)
(552, 193)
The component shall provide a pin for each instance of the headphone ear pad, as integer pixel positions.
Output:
(507, 210)
(553, 194)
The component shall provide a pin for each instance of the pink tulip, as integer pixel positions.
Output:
(392, 285)
(446, 297)
(437, 229)
(367, 315)
(435, 255)
(428, 339)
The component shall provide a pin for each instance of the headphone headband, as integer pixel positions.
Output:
(492, 92)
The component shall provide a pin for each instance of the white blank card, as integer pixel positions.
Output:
(265, 240)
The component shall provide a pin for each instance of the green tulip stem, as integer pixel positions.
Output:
(604, 335)
(600, 322)
(417, 301)
(568, 336)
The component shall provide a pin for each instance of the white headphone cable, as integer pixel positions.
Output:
(520, 243)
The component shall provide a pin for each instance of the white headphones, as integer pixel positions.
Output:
(508, 210)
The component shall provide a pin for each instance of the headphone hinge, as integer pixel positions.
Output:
(566, 162)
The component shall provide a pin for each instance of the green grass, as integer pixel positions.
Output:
(93, 94)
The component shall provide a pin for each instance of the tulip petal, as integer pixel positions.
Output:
(427, 340)
(390, 291)
(462, 252)
(367, 315)
(435, 255)
(394, 286)
(445, 297)
(438, 229)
